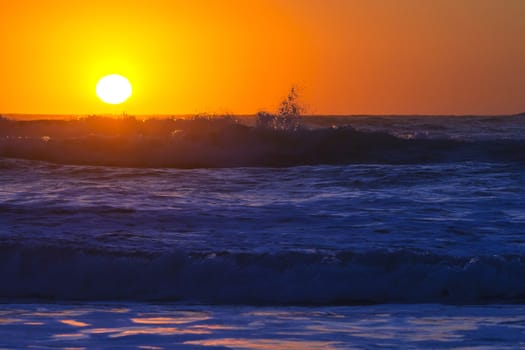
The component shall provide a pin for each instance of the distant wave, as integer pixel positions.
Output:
(225, 144)
(288, 278)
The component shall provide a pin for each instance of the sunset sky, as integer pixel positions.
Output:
(240, 56)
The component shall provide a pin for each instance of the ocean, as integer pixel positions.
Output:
(212, 233)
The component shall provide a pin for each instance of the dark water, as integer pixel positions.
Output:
(317, 234)
(370, 210)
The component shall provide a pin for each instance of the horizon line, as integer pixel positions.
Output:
(245, 115)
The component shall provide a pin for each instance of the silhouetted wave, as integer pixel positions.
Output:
(224, 142)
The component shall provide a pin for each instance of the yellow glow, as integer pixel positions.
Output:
(114, 89)
(238, 56)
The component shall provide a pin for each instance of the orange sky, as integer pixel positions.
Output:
(240, 56)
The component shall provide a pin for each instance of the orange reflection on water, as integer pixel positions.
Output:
(424, 329)
(58, 314)
(119, 310)
(156, 331)
(295, 315)
(5, 321)
(74, 323)
(101, 330)
(171, 320)
(217, 327)
(70, 336)
(265, 344)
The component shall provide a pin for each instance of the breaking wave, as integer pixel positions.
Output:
(285, 278)
(226, 143)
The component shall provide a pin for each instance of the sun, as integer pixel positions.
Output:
(114, 89)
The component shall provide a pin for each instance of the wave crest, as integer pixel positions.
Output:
(294, 278)
(223, 142)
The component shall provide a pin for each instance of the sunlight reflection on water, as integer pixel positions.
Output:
(151, 327)
(74, 323)
(264, 344)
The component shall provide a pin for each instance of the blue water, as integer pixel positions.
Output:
(442, 230)
(143, 326)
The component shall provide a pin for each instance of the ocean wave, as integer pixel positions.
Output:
(285, 278)
(238, 145)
